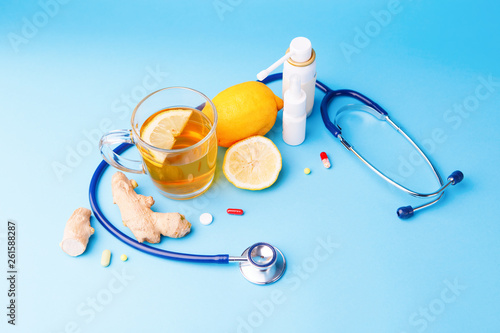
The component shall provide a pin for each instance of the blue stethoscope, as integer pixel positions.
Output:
(262, 263)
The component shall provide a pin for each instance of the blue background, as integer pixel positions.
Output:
(71, 71)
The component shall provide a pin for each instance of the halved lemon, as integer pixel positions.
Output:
(162, 130)
(253, 163)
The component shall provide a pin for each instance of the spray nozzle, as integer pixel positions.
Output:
(262, 75)
(300, 51)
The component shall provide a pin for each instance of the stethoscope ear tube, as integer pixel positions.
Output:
(453, 179)
(379, 112)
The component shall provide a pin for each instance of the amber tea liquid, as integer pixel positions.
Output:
(184, 172)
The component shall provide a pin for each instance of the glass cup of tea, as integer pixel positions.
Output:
(174, 131)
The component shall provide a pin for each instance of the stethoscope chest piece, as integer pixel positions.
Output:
(264, 264)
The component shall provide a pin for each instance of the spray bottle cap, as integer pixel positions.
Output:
(300, 51)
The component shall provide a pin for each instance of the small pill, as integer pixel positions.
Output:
(325, 160)
(105, 258)
(206, 218)
(307, 171)
(123, 257)
(235, 211)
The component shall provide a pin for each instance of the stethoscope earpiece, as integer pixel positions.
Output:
(405, 212)
(456, 177)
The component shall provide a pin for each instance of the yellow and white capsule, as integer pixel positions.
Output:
(105, 258)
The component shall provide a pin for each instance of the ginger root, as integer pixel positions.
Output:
(145, 224)
(77, 232)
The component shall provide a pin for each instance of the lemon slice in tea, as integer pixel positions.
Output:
(253, 163)
(162, 128)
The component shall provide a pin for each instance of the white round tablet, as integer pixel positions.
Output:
(206, 218)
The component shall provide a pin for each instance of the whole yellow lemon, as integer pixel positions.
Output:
(244, 110)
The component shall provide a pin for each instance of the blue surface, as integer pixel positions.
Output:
(353, 265)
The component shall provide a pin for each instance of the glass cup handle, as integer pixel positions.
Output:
(121, 163)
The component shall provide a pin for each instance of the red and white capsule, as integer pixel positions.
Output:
(325, 160)
(235, 211)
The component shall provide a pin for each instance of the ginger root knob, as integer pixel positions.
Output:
(77, 232)
(137, 215)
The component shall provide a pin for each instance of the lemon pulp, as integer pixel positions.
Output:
(253, 163)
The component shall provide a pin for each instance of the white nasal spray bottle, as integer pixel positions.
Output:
(294, 113)
(300, 59)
